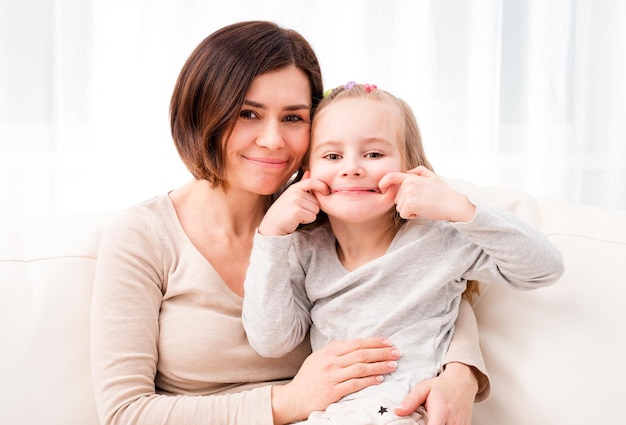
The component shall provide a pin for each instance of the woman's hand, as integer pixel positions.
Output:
(448, 398)
(328, 374)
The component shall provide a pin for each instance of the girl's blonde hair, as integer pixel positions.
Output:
(409, 136)
(411, 149)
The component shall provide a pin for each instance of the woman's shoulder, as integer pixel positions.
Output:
(145, 217)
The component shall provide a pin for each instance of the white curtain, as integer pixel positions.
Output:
(529, 94)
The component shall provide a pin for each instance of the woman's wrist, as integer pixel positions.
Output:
(284, 411)
(463, 374)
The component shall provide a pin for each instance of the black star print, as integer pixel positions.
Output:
(382, 410)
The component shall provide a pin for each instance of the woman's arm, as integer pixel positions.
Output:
(125, 333)
(449, 397)
(465, 349)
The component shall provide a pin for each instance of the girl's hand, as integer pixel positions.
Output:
(328, 374)
(421, 193)
(448, 398)
(297, 205)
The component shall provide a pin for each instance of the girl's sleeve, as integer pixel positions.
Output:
(275, 308)
(465, 348)
(504, 249)
(126, 300)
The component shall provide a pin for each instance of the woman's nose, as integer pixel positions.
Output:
(270, 136)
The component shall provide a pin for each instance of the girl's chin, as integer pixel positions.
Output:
(354, 211)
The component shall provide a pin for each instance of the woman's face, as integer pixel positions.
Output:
(271, 134)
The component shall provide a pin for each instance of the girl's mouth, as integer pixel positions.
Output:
(354, 190)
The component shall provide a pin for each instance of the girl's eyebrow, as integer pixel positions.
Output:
(332, 144)
(326, 145)
(254, 104)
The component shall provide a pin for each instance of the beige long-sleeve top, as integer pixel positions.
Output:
(167, 341)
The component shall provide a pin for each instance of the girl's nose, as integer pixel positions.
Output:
(351, 168)
(270, 136)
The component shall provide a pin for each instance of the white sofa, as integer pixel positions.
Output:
(556, 355)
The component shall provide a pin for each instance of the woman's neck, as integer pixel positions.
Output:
(234, 213)
(221, 226)
(360, 243)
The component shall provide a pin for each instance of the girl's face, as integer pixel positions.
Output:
(271, 134)
(354, 143)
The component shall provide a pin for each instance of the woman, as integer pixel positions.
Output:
(168, 345)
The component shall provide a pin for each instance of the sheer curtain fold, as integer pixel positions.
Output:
(526, 94)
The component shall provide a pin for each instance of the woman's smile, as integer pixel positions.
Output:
(265, 162)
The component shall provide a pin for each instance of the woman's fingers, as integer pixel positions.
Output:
(341, 368)
(352, 346)
(356, 384)
(364, 357)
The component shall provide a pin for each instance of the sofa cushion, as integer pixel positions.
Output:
(555, 354)
(46, 275)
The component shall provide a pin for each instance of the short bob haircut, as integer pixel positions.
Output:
(213, 82)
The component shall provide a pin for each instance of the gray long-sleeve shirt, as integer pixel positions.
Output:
(411, 295)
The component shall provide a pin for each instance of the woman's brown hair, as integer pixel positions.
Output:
(214, 80)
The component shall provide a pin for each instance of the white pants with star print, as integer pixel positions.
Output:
(364, 411)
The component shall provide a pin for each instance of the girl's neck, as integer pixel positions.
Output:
(360, 243)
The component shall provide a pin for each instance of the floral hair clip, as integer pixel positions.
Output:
(350, 84)
(370, 87)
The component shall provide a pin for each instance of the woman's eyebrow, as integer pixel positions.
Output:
(297, 107)
(253, 104)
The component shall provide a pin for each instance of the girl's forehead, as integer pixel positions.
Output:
(359, 105)
(354, 113)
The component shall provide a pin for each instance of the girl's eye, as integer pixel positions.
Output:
(373, 155)
(332, 156)
(247, 114)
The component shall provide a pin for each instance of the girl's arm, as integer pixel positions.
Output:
(274, 290)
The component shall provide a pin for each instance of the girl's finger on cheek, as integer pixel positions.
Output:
(320, 187)
(391, 180)
(391, 194)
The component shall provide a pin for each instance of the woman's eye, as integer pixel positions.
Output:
(293, 118)
(247, 114)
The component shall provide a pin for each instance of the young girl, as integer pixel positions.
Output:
(390, 254)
